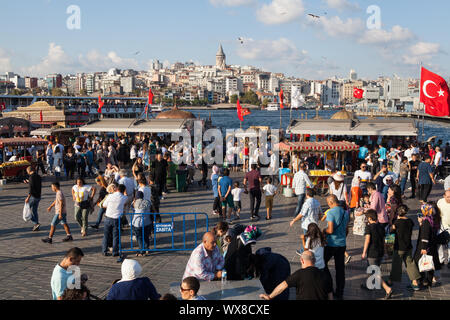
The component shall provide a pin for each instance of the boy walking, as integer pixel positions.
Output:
(236, 192)
(269, 191)
(60, 214)
(374, 247)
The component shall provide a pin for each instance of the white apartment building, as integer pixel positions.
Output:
(234, 84)
(330, 93)
(90, 84)
(263, 82)
(128, 84)
(18, 81)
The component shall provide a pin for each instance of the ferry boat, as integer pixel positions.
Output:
(272, 107)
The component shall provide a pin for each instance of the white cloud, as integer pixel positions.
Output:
(421, 52)
(231, 3)
(5, 61)
(397, 35)
(278, 51)
(56, 61)
(341, 5)
(95, 61)
(280, 11)
(335, 26)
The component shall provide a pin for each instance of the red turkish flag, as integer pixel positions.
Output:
(358, 93)
(281, 99)
(2, 106)
(239, 111)
(40, 116)
(100, 104)
(434, 94)
(246, 112)
(150, 96)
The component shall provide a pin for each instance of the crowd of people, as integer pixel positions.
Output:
(131, 177)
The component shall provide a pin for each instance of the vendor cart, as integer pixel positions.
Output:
(319, 178)
(16, 170)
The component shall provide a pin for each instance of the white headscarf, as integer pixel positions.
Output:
(131, 269)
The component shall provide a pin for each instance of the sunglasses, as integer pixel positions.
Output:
(181, 289)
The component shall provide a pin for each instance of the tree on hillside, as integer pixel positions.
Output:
(233, 98)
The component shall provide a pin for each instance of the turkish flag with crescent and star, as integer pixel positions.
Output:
(434, 94)
(358, 93)
(150, 100)
(239, 111)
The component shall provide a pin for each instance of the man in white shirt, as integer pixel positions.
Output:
(129, 185)
(438, 164)
(364, 175)
(114, 205)
(299, 184)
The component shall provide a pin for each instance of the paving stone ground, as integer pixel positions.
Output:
(26, 263)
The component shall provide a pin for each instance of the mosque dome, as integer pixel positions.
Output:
(343, 115)
(175, 113)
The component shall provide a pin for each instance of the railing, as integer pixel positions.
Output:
(161, 228)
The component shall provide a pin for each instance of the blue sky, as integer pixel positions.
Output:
(278, 35)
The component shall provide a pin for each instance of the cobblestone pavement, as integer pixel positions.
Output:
(26, 263)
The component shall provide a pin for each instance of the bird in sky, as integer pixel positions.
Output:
(136, 53)
(314, 16)
(241, 40)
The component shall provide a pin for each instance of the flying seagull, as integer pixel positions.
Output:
(136, 53)
(241, 40)
(313, 15)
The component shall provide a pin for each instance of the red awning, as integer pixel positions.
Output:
(318, 146)
(22, 142)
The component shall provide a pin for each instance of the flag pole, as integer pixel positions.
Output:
(423, 111)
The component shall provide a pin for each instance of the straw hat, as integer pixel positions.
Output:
(338, 177)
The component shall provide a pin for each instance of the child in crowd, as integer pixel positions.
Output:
(360, 223)
(142, 224)
(236, 192)
(269, 191)
(314, 240)
(374, 247)
(403, 228)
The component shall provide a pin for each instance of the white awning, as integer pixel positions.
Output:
(365, 127)
(135, 126)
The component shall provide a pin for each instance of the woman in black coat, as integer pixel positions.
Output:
(272, 269)
(429, 221)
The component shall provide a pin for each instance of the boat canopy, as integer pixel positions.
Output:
(318, 146)
(135, 126)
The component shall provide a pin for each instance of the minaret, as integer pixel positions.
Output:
(220, 59)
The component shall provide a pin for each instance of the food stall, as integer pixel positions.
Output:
(318, 177)
(11, 170)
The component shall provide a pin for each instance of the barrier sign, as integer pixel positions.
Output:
(163, 228)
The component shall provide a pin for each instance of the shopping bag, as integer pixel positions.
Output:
(389, 242)
(426, 263)
(27, 212)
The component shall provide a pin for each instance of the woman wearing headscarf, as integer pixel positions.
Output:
(132, 286)
(429, 221)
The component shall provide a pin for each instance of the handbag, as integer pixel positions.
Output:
(86, 204)
(426, 263)
(27, 212)
(443, 238)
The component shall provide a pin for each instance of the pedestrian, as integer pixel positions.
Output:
(159, 172)
(82, 195)
(404, 172)
(141, 222)
(101, 196)
(429, 223)
(336, 233)
(394, 200)
(225, 195)
(254, 179)
(425, 179)
(444, 208)
(403, 228)
(311, 213)
(63, 271)
(309, 282)
(269, 192)
(60, 214)
(34, 195)
(378, 204)
(129, 185)
(205, 262)
(413, 166)
(217, 209)
(271, 269)
(70, 163)
(299, 184)
(132, 286)
(236, 192)
(364, 175)
(338, 188)
(189, 288)
(138, 167)
(438, 161)
(114, 205)
(374, 247)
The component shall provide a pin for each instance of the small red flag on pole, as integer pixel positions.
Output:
(239, 111)
(281, 99)
(100, 104)
(40, 116)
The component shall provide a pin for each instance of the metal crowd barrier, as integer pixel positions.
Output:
(161, 228)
